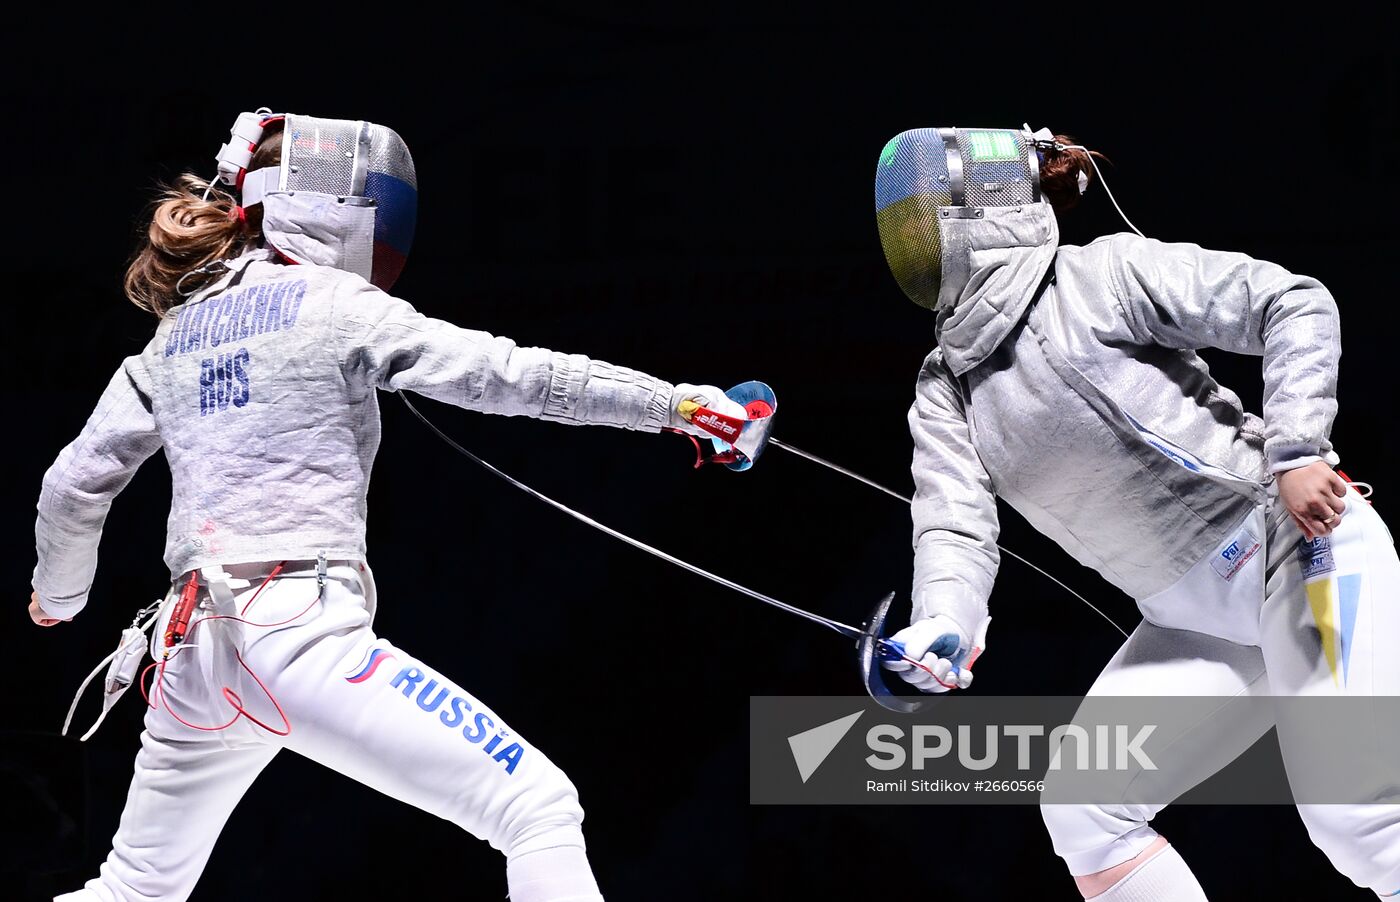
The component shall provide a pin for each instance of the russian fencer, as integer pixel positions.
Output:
(275, 332)
(1066, 381)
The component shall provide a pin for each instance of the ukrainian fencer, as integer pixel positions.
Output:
(275, 334)
(1066, 381)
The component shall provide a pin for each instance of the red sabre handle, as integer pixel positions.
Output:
(721, 426)
(180, 617)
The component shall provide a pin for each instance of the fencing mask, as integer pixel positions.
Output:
(345, 194)
(928, 176)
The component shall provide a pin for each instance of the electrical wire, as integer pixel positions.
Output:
(157, 694)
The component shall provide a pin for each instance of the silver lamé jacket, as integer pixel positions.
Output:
(1086, 407)
(262, 391)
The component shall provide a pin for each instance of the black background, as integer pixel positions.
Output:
(688, 194)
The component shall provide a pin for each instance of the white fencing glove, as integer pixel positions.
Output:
(685, 401)
(944, 650)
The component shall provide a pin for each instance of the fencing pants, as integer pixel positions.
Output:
(1330, 627)
(354, 703)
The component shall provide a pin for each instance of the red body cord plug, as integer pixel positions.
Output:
(180, 617)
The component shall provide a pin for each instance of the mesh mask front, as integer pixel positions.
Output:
(347, 198)
(927, 177)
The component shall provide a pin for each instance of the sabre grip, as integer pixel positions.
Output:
(894, 650)
(891, 649)
(721, 426)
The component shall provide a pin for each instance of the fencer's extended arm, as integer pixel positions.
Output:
(78, 490)
(393, 346)
(1182, 296)
(954, 510)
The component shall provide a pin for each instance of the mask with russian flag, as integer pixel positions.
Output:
(345, 194)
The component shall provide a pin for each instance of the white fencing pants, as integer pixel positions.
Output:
(1330, 626)
(354, 703)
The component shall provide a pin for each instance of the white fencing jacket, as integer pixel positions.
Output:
(262, 391)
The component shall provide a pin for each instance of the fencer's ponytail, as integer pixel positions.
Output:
(193, 225)
(1060, 174)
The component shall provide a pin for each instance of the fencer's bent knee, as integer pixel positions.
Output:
(547, 815)
(1094, 838)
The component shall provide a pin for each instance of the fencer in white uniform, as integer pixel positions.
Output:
(1066, 381)
(261, 388)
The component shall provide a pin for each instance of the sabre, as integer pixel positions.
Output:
(871, 644)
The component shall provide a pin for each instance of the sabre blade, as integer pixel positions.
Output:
(836, 625)
(793, 449)
(821, 461)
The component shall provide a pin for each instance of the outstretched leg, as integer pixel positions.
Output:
(186, 784)
(366, 708)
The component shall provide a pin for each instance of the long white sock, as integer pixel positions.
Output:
(1162, 878)
(556, 874)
